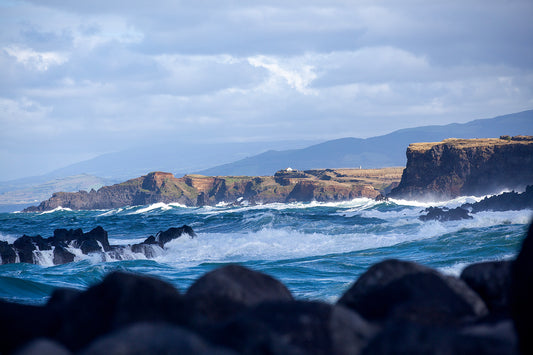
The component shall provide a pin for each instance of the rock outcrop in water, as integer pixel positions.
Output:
(65, 244)
(457, 167)
(198, 190)
(507, 201)
(395, 307)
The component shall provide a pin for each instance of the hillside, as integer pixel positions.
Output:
(199, 190)
(375, 152)
(456, 167)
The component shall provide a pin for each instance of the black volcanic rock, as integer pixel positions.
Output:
(413, 338)
(445, 214)
(43, 346)
(401, 290)
(491, 280)
(7, 253)
(294, 327)
(507, 201)
(20, 323)
(229, 289)
(62, 256)
(164, 237)
(240, 284)
(25, 247)
(95, 241)
(152, 338)
(522, 293)
(120, 299)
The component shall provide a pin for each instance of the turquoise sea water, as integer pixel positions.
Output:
(316, 249)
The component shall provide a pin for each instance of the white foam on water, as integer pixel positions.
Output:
(491, 218)
(111, 212)
(360, 203)
(453, 270)
(176, 204)
(44, 257)
(57, 209)
(280, 244)
(160, 205)
(8, 238)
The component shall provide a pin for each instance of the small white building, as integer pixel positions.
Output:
(289, 169)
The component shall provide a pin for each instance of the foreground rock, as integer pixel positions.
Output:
(198, 190)
(65, 243)
(394, 307)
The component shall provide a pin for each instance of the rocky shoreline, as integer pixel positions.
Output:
(64, 246)
(324, 185)
(507, 201)
(394, 307)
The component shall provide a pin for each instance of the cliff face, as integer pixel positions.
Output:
(458, 167)
(198, 190)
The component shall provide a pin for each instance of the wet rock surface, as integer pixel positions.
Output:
(63, 243)
(507, 201)
(394, 307)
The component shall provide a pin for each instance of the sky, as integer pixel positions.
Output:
(82, 78)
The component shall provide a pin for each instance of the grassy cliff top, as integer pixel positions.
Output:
(475, 142)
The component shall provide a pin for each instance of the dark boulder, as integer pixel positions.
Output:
(7, 253)
(521, 294)
(98, 234)
(90, 246)
(62, 255)
(152, 338)
(507, 201)
(61, 298)
(120, 299)
(444, 214)
(413, 338)
(25, 247)
(64, 236)
(294, 327)
(240, 284)
(227, 290)
(21, 323)
(164, 237)
(381, 198)
(43, 346)
(492, 281)
(405, 290)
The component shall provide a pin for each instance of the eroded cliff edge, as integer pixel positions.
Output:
(197, 190)
(456, 167)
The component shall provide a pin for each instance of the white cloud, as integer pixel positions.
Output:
(298, 77)
(31, 59)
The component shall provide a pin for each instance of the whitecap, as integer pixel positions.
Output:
(57, 209)
(159, 205)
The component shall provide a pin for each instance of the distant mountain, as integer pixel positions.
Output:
(18, 198)
(375, 152)
(176, 157)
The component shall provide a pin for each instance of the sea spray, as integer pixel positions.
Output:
(316, 249)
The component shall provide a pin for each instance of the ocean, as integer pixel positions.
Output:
(316, 249)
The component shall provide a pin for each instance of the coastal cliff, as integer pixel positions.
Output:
(456, 167)
(198, 190)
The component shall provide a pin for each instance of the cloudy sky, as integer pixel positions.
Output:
(81, 78)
